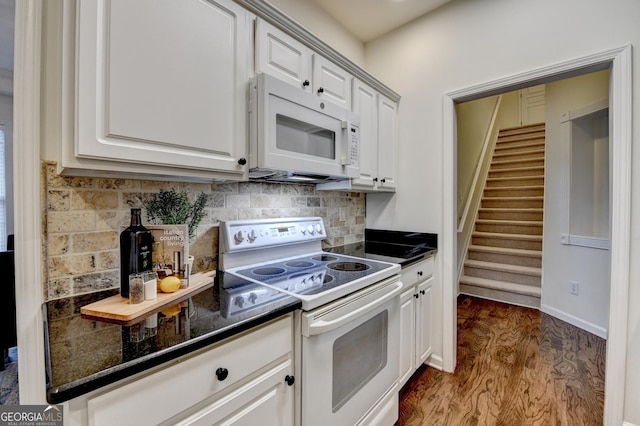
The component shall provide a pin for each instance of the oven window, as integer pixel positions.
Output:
(358, 356)
(297, 136)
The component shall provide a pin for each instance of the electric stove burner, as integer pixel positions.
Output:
(299, 264)
(324, 258)
(269, 271)
(348, 266)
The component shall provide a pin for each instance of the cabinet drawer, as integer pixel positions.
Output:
(417, 272)
(165, 393)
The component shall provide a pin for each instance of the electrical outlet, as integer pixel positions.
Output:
(574, 288)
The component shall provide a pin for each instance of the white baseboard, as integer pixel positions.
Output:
(587, 326)
(435, 362)
(628, 424)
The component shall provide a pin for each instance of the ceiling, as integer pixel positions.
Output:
(369, 19)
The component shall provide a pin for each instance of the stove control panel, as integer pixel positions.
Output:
(249, 234)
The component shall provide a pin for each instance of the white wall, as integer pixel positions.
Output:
(563, 263)
(466, 43)
(6, 118)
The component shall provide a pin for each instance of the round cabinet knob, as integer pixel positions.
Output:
(252, 236)
(375, 179)
(318, 228)
(222, 373)
(290, 380)
(239, 237)
(320, 90)
(305, 83)
(310, 230)
(383, 180)
(416, 295)
(419, 273)
(422, 292)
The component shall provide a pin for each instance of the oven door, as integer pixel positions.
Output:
(350, 357)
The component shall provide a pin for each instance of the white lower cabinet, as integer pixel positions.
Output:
(415, 318)
(245, 380)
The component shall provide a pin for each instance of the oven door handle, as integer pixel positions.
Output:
(323, 326)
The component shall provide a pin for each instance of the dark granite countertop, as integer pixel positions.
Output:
(402, 247)
(84, 354)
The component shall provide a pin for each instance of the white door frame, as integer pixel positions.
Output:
(620, 101)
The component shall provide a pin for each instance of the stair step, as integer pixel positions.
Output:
(514, 181)
(517, 155)
(521, 147)
(501, 285)
(502, 292)
(512, 202)
(526, 128)
(507, 137)
(509, 226)
(514, 191)
(532, 258)
(517, 274)
(516, 163)
(517, 171)
(510, 214)
(517, 241)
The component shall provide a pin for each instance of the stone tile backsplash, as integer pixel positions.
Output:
(84, 215)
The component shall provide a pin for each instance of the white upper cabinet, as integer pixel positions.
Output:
(331, 82)
(284, 57)
(160, 87)
(387, 144)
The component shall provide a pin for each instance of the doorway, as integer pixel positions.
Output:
(618, 61)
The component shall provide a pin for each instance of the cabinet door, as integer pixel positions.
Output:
(365, 103)
(424, 322)
(163, 82)
(282, 56)
(387, 144)
(267, 400)
(407, 335)
(331, 82)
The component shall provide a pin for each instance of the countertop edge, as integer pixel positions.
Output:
(57, 395)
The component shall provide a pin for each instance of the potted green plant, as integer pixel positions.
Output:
(172, 208)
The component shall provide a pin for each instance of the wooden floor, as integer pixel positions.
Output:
(515, 366)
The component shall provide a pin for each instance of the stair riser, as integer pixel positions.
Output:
(501, 296)
(518, 172)
(506, 156)
(506, 148)
(511, 277)
(535, 162)
(508, 215)
(508, 228)
(511, 136)
(535, 127)
(514, 204)
(507, 243)
(514, 192)
(527, 181)
(508, 259)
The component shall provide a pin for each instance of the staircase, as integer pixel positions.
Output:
(504, 259)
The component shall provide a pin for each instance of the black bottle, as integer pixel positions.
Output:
(135, 250)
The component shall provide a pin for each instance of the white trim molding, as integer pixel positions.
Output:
(27, 205)
(618, 60)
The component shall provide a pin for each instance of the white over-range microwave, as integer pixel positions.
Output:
(295, 136)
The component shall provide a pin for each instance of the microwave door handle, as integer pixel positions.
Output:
(346, 125)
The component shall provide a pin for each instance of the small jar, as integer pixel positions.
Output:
(136, 288)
